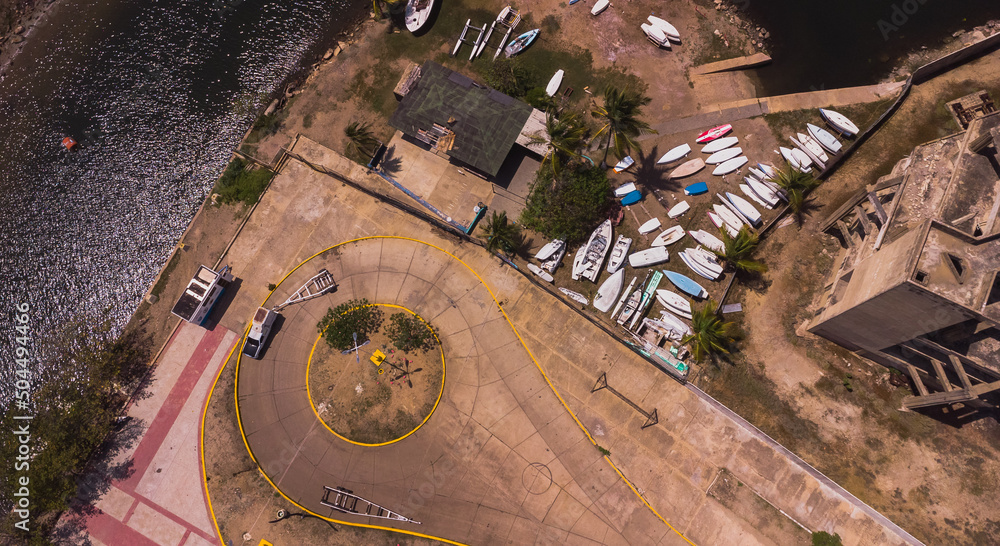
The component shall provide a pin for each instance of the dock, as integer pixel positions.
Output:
(739, 63)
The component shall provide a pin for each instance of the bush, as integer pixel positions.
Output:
(570, 207)
(238, 185)
(408, 333)
(538, 98)
(822, 538)
(342, 322)
(508, 76)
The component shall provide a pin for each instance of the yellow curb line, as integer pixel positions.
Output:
(523, 344)
(436, 402)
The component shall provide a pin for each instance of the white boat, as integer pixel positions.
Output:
(721, 224)
(723, 155)
(648, 257)
(618, 253)
(575, 296)
(669, 236)
(687, 168)
(579, 263)
(674, 302)
(763, 190)
(730, 218)
(678, 209)
(625, 293)
(792, 160)
(624, 164)
(758, 173)
(597, 249)
(552, 263)
(839, 122)
(813, 146)
(804, 155)
(694, 266)
(609, 291)
(705, 258)
(600, 6)
(417, 13)
(803, 158)
(769, 172)
(553, 87)
(730, 166)
(540, 272)
(674, 154)
(650, 226)
(745, 208)
(550, 249)
(625, 189)
(706, 239)
(825, 139)
(631, 304)
(753, 195)
(667, 329)
(674, 323)
(720, 144)
(655, 35)
(670, 31)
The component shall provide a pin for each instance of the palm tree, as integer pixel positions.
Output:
(710, 334)
(796, 184)
(360, 141)
(502, 235)
(736, 251)
(620, 114)
(564, 137)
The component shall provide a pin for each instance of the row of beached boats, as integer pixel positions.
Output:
(812, 147)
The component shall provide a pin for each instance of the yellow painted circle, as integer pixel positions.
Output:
(312, 403)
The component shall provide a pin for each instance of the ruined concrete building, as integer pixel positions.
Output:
(916, 286)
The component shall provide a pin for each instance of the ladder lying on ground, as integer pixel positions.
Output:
(347, 502)
(320, 284)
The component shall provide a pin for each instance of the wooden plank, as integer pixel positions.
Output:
(915, 375)
(879, 211)
(960, 370)
(846, 233)
(936, 399)
(863, 218)
(942, 377)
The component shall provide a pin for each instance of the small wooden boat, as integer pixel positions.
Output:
(579, 263)
(674, 154)
(839, 122)
(655, 35)
(721, 224)
(553, 87)
(519, 44)
(675, 302)
(540, 272)
(720, 144)
(600, 6)
(650, 226)
(729, 217)
(669, 236)
(724, 155)
(648, 257)
(417, 14)
(686, 285)
(575, 296)
(550, 249)
(745, 208)
(625, 189)
(825, 139)
(632, 198)
(625, 293)
(688, 168)
(609, 291)
(713, 133)
(624, 164)
(678, 209)
(68, 143)
(631, 304)
(668, 30)
(708, 240)
(697, 188)
(813, 146)
(618, 253)
(730, 166)
(754, 197)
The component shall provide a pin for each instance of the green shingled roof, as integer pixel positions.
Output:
(486, 121)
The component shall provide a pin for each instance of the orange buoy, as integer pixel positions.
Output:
(69, 143)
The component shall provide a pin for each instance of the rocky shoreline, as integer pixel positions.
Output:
(29, 13)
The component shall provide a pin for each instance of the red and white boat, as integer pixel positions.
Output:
(713, 133)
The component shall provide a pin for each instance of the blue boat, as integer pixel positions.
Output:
(632, 198)
(696, 189)
(518, 44)
(686, 285)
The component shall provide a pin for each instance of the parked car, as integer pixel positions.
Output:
(263, 319)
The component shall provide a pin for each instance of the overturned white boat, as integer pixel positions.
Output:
(417, 14)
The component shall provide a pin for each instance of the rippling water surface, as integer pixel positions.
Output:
(158, 93)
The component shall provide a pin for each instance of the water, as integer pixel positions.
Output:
(158, 93)
(827, 45)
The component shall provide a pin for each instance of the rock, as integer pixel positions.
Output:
(16, 39)
(271, 107)
(18, 29)
(717, 33)
(328, 54)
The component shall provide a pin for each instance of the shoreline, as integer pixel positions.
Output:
(26, 24)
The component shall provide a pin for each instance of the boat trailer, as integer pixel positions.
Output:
(320, 284)
(347, 502)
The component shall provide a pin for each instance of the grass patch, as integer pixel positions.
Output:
(241, 183)
(161, 283)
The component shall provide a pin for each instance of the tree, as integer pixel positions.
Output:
(409, 333)
(822, 538)
(507, 76)
(360, 140)
(620, 115)
(564, 138)
(85, 374)
(797, 186)
(342, 322)
(501, 235)
(710, 334)
(736, 251)
(570, 205)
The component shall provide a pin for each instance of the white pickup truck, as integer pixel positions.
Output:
(263, 319)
